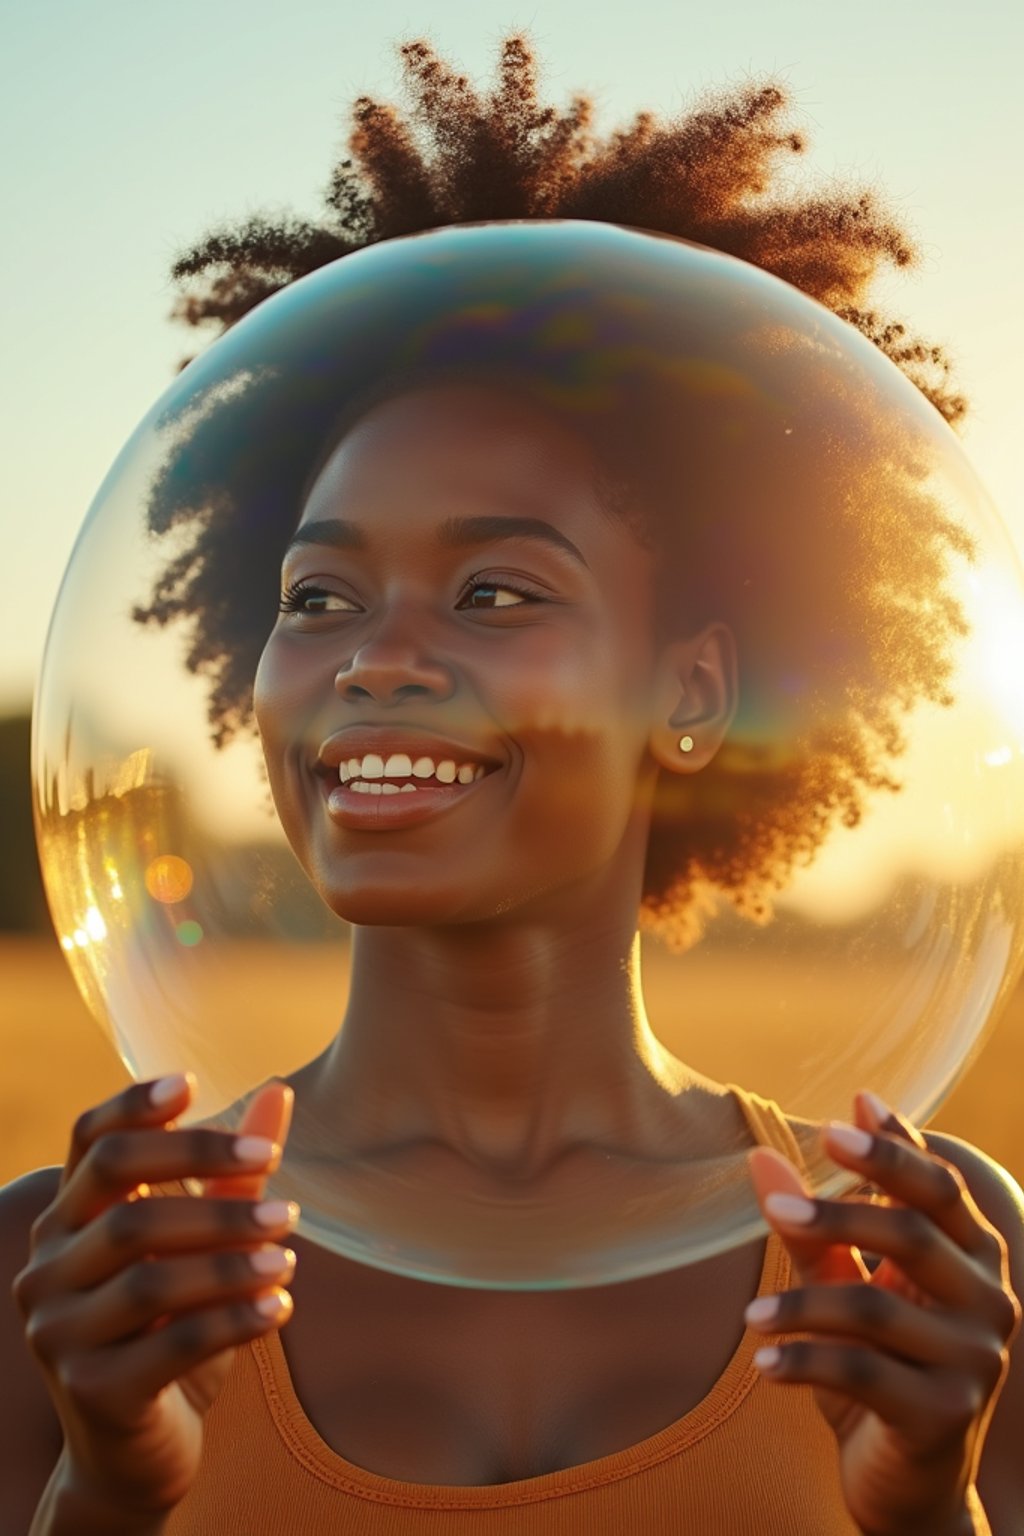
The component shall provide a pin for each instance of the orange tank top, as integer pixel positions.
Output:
(753, 1458)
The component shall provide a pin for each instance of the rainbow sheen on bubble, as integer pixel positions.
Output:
(864, 820)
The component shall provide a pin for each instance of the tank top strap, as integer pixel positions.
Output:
(768, 1125)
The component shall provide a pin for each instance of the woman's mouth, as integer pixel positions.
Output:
(398, 790)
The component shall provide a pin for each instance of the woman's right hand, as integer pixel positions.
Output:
(134, 1305)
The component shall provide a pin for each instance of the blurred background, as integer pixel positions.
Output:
(130, 130)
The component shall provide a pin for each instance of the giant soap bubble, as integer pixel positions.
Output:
(841, 886)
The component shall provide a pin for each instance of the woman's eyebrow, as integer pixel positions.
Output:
(337, 533)
(482, 530)
(331, 531)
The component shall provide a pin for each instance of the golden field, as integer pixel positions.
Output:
(56, 1061)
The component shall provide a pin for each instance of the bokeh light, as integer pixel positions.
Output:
(168, 878)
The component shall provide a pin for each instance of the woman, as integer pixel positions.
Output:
(499, 906)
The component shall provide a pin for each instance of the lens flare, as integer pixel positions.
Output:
(168, 878)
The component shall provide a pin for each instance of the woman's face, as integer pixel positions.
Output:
(457, 598)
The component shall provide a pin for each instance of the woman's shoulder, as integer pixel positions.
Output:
(997, 1195)
(994, 1190)
(21, 1203)
(30, 1432)
(32, 1192)
(1000, 1199)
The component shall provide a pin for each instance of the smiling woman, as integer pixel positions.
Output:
(656, 409)
(392, 634)
(681, 559)
(572, 577)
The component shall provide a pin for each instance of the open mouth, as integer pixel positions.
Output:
(377, 790)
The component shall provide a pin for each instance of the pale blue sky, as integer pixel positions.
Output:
(128, 128)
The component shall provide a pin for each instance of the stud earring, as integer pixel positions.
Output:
(686, 744)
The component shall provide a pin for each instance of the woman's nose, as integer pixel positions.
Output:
(391, 665)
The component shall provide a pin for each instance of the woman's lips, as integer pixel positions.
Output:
(384, 813)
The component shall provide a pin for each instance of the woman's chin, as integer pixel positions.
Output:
(391, 908)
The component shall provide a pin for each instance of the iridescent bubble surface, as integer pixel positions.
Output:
(843, 883)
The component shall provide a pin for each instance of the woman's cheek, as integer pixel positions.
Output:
(289, 684)
(279, 710)
(263, 690)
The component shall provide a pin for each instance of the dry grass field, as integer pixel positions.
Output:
(56, 1062)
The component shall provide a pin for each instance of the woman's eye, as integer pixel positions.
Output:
(304, 598)
(308, 599)
(496, 594)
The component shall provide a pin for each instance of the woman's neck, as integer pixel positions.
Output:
(505, 1042)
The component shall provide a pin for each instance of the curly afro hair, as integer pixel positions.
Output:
(878, 626)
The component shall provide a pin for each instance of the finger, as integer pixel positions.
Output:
(118, 1162)
(873, 1114)
(269, 1114)
(143, 1104)
(814, 1259)
(151, 1291)
(128, 1233)
(927, 1407)
(916, 1177)
(136, 1372)
(871, 1315)
(909, 1238)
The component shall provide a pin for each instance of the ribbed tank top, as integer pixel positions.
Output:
(753, 1458)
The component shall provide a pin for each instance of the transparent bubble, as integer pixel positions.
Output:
(840, 885)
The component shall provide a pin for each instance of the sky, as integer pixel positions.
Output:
(130, 129)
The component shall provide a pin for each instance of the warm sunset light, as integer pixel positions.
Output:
(995, 653)
(524, 785)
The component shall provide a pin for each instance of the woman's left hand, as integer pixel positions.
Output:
(905, 1362)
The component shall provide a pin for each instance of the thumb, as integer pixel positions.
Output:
(813, 1259)
(268, 1113)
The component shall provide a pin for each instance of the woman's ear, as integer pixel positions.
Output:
(695, 698)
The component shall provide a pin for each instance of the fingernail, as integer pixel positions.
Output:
(273, 1305)
(253, 1149)
(849, 1138)
(271, 1261)
(880, 1111)
(792, 1209)
(762, 1309)
(276, 1213)
(168, 1088)
(767, 1359)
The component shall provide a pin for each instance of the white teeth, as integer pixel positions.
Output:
(362, 788)
(399, 765)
